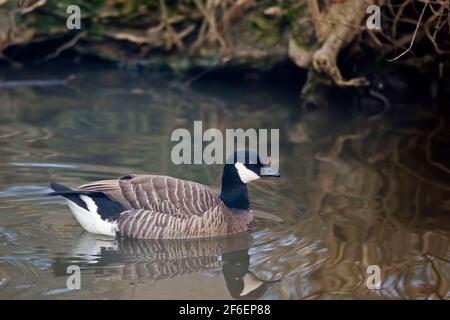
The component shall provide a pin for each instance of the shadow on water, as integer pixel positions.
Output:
(357, 189)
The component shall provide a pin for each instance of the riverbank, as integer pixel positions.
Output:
(325, 46)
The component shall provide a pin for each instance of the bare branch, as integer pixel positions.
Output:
(414, 35)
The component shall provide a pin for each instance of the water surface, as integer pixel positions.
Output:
(357, 189)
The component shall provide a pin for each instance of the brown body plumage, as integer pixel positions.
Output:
(162, 207)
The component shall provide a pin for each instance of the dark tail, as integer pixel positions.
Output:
(59, 189)
(106, 207)
(68, 193)
(62, 190)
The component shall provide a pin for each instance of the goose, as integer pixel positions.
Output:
(161, 207)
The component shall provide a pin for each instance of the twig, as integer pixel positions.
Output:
(34, 83)
(236, 10)
(414, 35)
(204, 72)
(397, 17)
(212, 25)
(65, 46)
(165, 20)
(201, 36)
(374, 38)
(33, 6)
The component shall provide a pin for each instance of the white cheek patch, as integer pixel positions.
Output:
(251, 283)
(246, 175)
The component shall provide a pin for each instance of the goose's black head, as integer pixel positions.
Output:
(240, 281)
(241, 168)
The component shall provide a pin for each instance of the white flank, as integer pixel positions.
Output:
(245, 174)
(251, 283)
(90, 220)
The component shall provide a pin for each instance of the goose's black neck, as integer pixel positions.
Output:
(234, 192)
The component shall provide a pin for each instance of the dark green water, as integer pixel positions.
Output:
(356, 190)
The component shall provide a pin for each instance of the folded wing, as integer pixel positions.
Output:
(160, 195)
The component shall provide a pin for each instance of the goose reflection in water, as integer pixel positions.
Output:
(149, 261)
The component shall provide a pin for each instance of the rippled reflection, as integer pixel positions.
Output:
(149, 261)
(356, 190)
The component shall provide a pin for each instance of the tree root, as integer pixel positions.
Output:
(324, 61)
(10, 33)
(235, 11)
(213, 33)
(335, 29)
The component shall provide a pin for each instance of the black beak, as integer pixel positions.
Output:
(269, 172)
